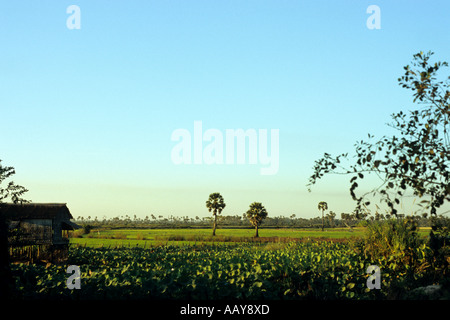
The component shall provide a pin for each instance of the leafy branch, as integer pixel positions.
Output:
(418, 159)
(12, 190)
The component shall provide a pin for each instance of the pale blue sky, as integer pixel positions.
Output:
(87, 115)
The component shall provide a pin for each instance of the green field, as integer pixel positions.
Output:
(190, 264)
(151, 237)
(322, 270)
(239, 271)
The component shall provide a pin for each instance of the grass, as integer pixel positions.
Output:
(282, 232)
(152, 237)
(148, 237)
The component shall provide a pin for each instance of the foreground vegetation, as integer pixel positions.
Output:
(309, 270)
(410, 266)
(206, 272)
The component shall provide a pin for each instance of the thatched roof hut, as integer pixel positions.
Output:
(39, 223)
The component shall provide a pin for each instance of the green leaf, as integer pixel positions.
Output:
(377, 163)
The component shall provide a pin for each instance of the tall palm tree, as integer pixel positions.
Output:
(330, 216)
(322, 206)
(256, 214)
(216, 204)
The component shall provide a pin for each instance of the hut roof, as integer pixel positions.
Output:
(35, 210)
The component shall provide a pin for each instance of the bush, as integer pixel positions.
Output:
(393, 239)
(439, 242)
(77, 233)
(140, 236)
(120, 235)
(410, 261)
(87, 228)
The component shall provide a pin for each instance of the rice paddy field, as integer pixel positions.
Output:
(151, 237)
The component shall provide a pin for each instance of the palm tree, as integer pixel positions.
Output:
(322, 206)
(216, 204)
(331, 215)
(256, 214)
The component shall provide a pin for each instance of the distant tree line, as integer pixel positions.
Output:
(331, 220)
